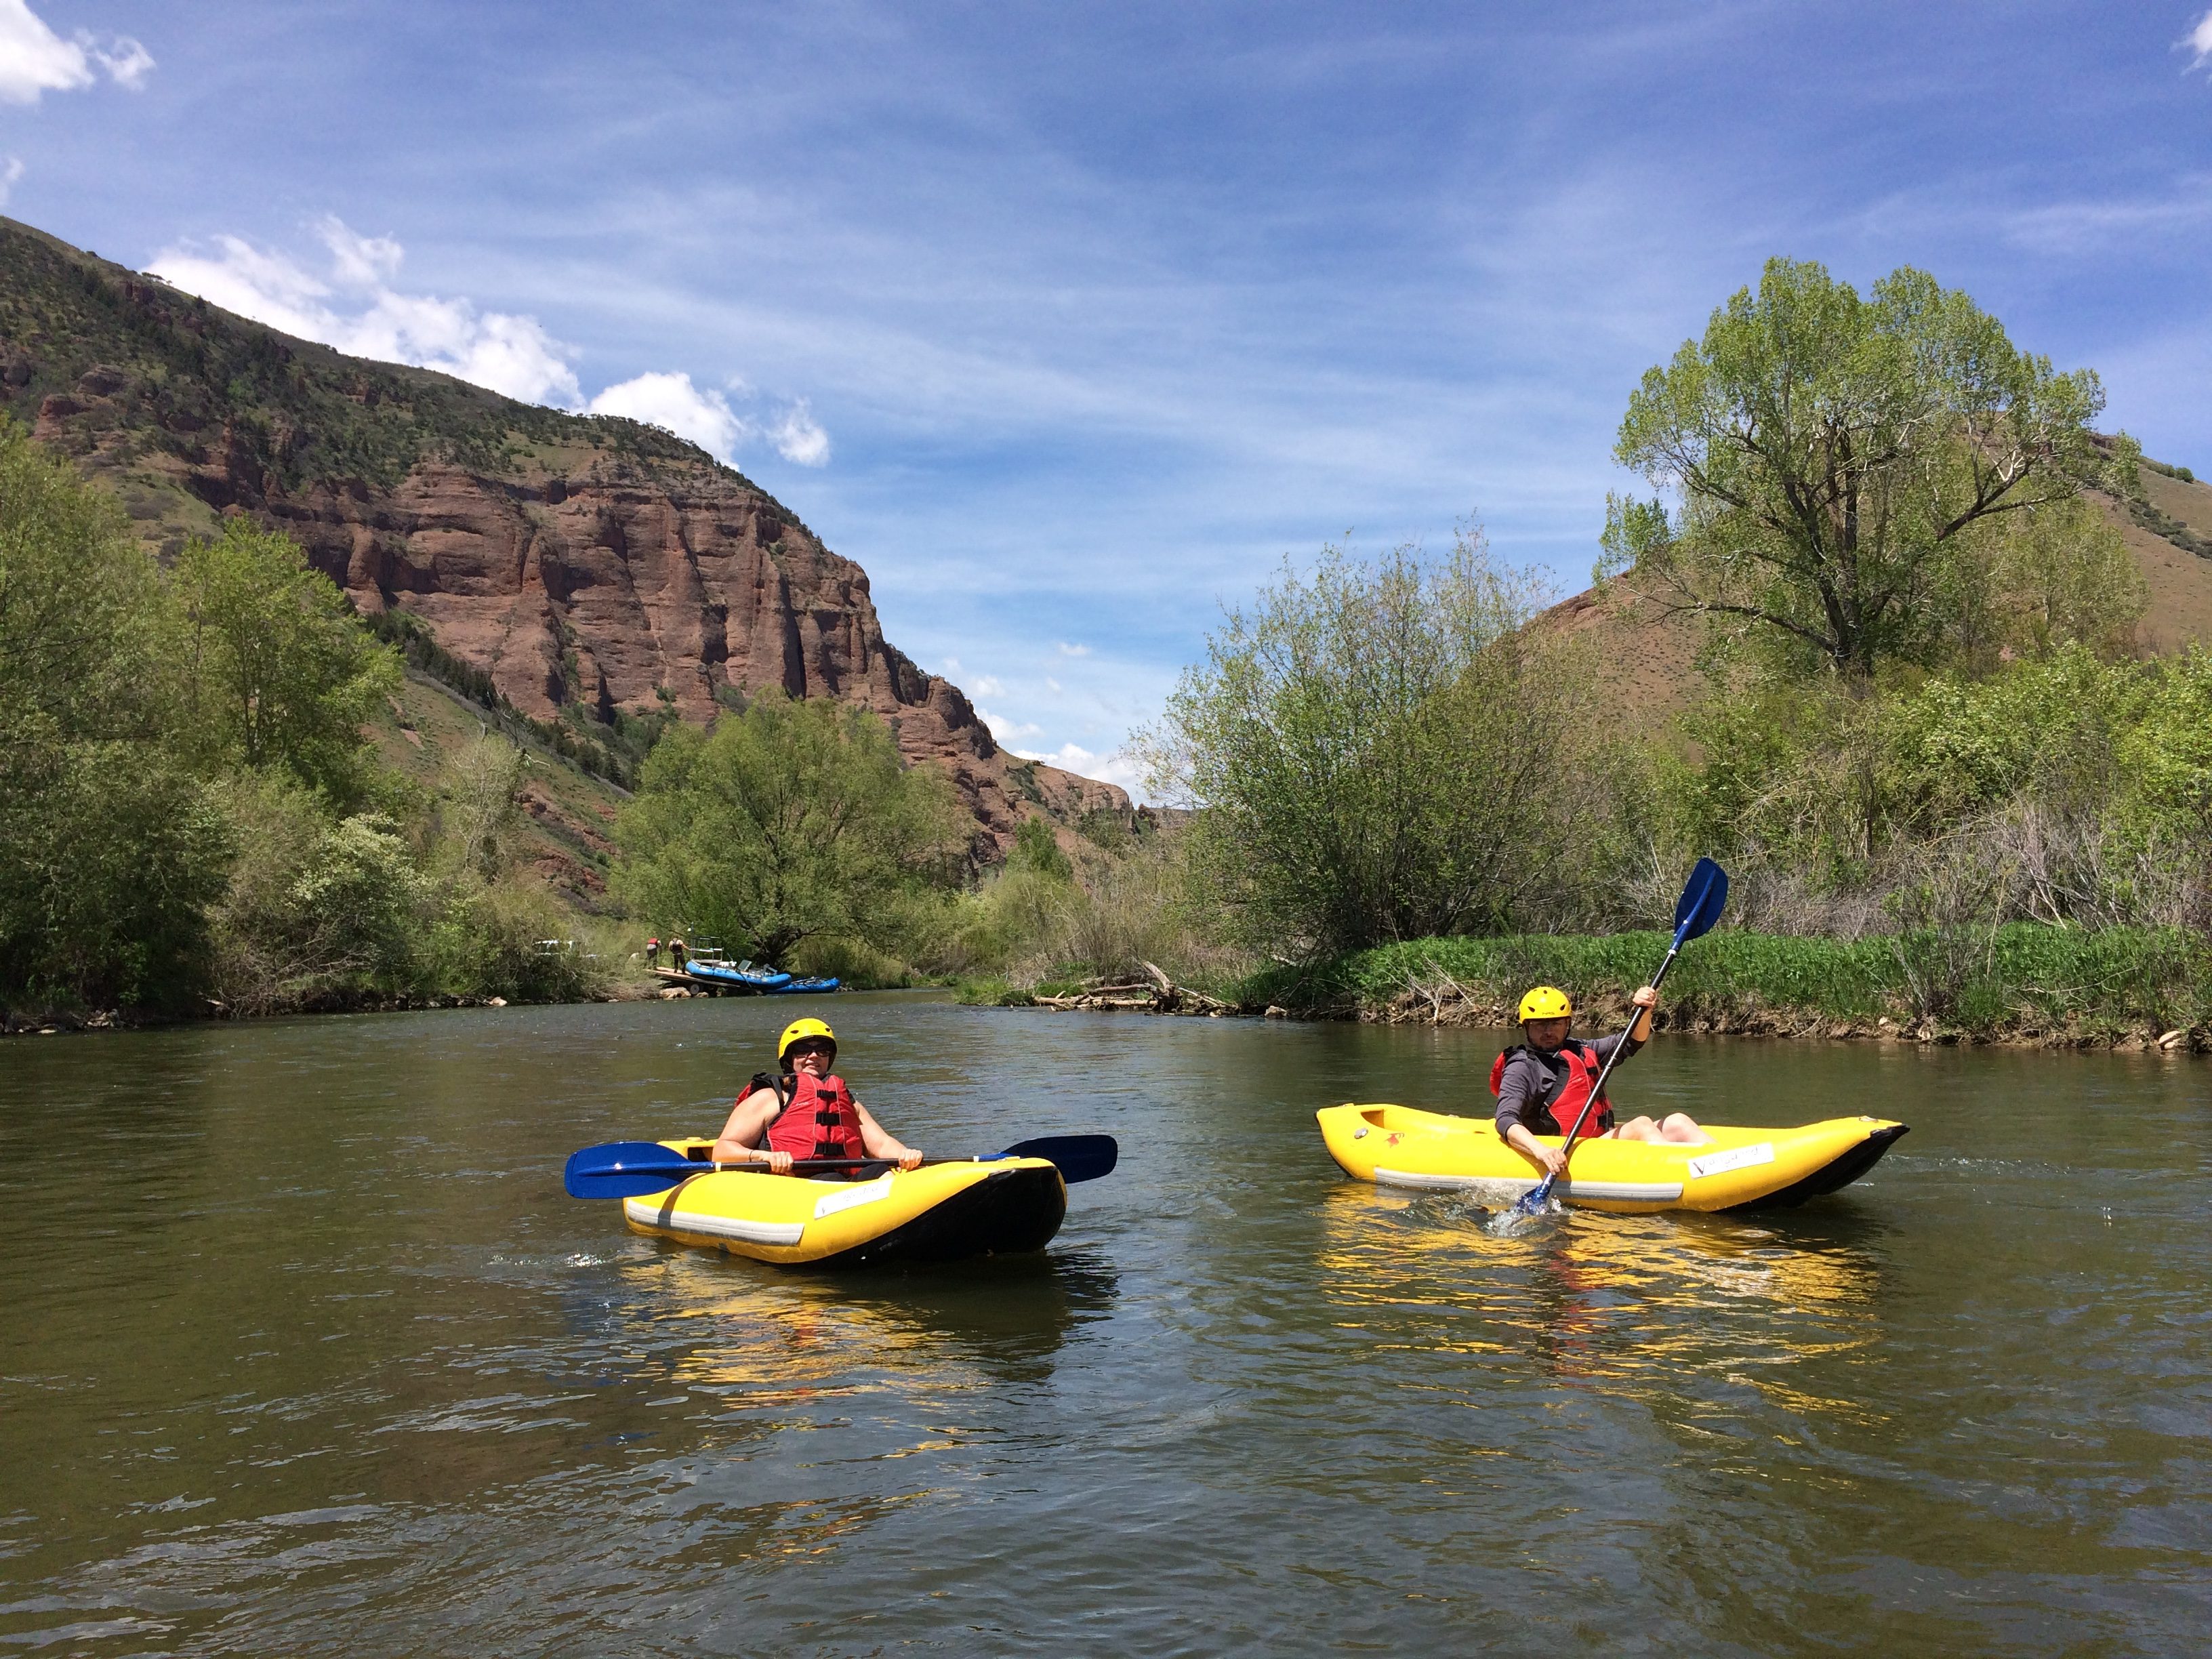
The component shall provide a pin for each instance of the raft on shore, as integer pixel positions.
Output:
(1737, 1169)
(939, 1213)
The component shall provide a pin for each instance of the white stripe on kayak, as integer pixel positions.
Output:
(1638, 1192)
(866, 1192)
(714, 1226)
(1622, 1192)
(1736, 1157)
(1443, 1183)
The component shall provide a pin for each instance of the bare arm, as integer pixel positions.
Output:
(1517, 1095)
(880, 1142)
(740, 1139)
(1552, 1159)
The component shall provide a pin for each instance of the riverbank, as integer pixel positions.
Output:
(2022, 984)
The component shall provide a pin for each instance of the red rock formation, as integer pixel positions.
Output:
(586, 562)
(630, 593)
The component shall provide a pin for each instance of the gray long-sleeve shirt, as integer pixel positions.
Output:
(1531, 1082)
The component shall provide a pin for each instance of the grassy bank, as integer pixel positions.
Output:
(2018, 983)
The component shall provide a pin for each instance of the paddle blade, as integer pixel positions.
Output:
(1080, 1158)
(1523, 1211)
(625, 1168)
(1702, 895)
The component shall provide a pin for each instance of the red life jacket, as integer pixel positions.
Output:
(1583, 1068)
(818, 1118)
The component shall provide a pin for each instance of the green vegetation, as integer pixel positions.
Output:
(612, 748)
(790, 822)
(1378, 747)
(189, 814)
(1954, 799)
(1837, 463)
(2063, 984)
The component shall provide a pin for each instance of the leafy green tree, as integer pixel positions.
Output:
(109, 849)
(1379, 753)
(790, 821)
(1038, 851)
(1831, 459)
(82, 614)
(284, 671)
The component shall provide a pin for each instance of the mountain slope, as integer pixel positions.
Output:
(590, 567)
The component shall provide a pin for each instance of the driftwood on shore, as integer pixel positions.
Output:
(1153, 992)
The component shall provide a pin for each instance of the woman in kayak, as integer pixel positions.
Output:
(1541, 1084)
(807, 1112)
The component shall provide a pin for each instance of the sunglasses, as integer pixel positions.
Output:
(810, 1045)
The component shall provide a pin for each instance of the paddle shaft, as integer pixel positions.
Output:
(632, 1169)
(1606, 1070)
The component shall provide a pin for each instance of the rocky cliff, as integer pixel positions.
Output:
(590, 567)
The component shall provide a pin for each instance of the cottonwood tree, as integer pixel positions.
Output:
(109, 848)
(282, 670)
(1832, 460)
(790, 820)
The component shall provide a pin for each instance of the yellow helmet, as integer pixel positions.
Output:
(1545, 1002)
(798, 1031)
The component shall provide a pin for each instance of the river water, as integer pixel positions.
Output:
(304, 1352)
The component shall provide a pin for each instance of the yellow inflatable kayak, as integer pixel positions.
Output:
(1735, 1169)
(939, 1213)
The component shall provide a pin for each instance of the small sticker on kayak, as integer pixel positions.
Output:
(1736, 1157)
(866, 1192)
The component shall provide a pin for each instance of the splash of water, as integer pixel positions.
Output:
(1515, 1219)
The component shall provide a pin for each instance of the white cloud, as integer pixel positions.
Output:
(952, 667)
(1053, 685)
(670, 400)
(34, 60)
(989, 685)
(705, 416)
(1115, 768)
(10, 171)
(1009, 733)
(359, 261)
(349, 300)
(798, 438)
(2199, 41)
(126, 62)
(354, 309)
(1068, 650)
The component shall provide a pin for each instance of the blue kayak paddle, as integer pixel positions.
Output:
(631, 1169)
(1695, 913)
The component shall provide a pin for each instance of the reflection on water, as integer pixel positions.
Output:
(1629, 1303)
(764, 1337)
(305, 1352)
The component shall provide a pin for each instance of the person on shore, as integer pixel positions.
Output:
(653, 952)
(1542, 1082)
(676, 954)
(807, 1112)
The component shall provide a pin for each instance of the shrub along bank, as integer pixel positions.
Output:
(2022, 982)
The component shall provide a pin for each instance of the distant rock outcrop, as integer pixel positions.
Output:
(584, 563)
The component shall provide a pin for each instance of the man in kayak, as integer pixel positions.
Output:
(807, 1112)
(1541, 1084)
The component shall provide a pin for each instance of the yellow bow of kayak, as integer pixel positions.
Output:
(939, 1213)
(1735, 1169)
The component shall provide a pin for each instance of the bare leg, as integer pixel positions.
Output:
(1679, 1127)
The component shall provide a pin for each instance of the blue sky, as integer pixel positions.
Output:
(1069, 321)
